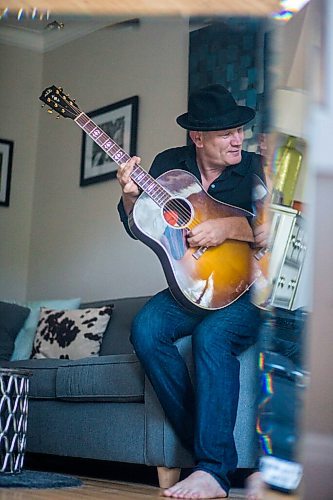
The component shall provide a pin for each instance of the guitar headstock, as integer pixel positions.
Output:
(55, 98)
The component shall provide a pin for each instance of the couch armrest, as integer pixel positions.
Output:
(162, 444)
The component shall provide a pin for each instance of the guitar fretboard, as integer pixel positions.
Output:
(144, 180)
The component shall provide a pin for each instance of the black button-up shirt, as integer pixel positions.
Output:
(232, 186)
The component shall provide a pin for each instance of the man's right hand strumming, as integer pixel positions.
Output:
(129, 188)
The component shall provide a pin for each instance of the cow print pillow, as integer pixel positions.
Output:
(70, 334)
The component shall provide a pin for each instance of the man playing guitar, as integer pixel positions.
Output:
(203, 416)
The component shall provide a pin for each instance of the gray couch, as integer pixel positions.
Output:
(104, 407)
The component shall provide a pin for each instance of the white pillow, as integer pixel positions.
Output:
(72, 334)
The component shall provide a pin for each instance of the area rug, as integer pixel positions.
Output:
(37, 479)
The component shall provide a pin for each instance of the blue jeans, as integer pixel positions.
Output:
(203, 416)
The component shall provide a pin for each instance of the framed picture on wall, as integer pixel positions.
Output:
(6, 159)
(119, 121)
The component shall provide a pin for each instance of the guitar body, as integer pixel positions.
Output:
(211, 279)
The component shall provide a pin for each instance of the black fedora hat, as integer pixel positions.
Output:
(214, 108)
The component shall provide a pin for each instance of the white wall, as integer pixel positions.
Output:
(78, 246)
(20, 81)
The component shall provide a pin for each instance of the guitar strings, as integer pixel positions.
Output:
(185, 216)
(164, 196)
(174, 204)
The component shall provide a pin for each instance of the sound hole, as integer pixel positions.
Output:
(177, 212)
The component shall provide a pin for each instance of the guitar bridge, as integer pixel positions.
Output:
(199, 252)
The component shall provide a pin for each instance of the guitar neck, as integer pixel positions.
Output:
(144, 180)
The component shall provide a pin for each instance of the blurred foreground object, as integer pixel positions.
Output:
(283, 380)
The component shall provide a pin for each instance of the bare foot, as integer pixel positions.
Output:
(255, 487)
(199, 484)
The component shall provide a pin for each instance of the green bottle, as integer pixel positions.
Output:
(288, 163)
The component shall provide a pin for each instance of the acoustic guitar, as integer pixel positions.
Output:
(166, 210)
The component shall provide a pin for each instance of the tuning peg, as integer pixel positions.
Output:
(57, 117)
(50, 111)
(43, 106)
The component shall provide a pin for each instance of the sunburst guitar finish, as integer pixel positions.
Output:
(209, 278)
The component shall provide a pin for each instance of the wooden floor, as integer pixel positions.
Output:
(98, 489)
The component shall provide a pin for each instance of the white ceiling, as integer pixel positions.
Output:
(43, 32)
(46, 34)
(43, 35)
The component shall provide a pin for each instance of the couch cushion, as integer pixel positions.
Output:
(116, 337)
(116, 378)
(43, 376)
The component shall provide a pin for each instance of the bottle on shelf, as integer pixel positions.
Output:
(288, 162)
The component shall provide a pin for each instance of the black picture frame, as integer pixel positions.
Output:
(120, 121)
(6, 160)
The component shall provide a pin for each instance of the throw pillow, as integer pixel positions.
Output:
(25, 338)
(70, 334)
(12, 317)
